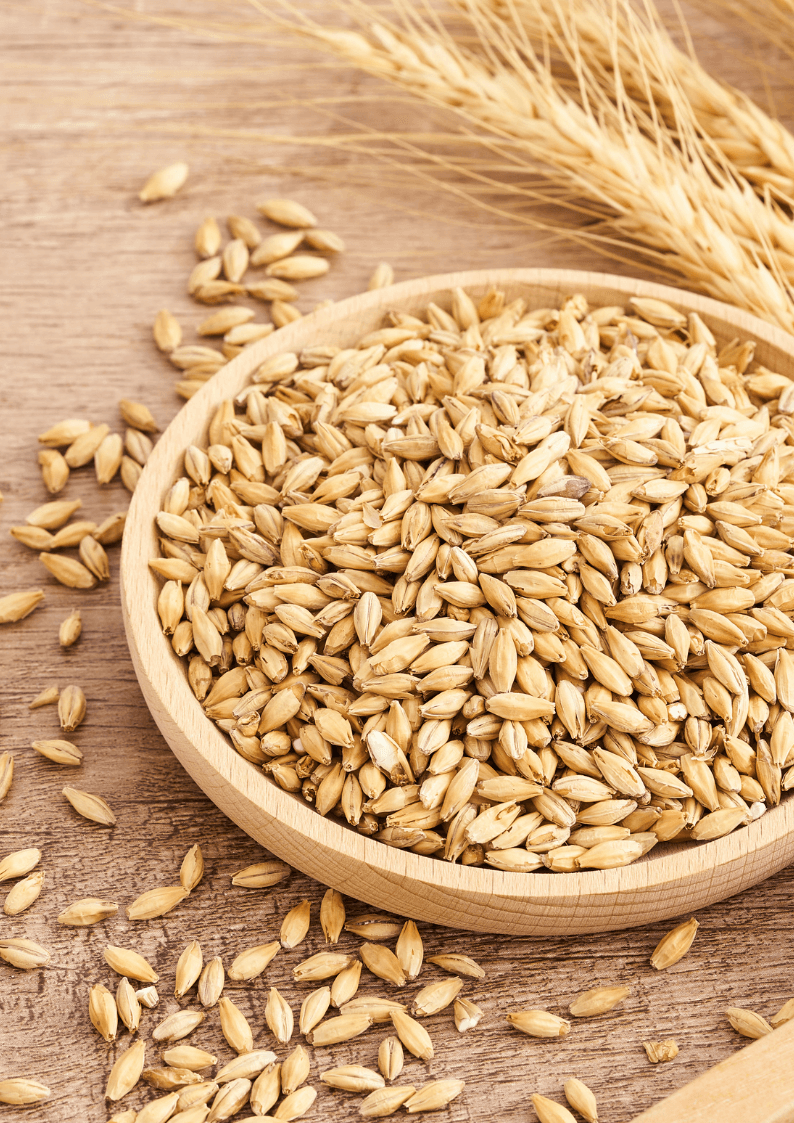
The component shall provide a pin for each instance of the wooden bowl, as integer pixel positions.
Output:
(663, 885)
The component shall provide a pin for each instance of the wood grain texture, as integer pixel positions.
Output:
(668, 884)
(92, 103)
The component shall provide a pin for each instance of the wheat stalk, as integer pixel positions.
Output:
(668, 193)
(640, 55)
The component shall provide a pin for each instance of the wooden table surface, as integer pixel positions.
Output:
(93, 102)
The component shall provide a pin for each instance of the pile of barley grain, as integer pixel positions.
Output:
(503, 585)
(220, 278)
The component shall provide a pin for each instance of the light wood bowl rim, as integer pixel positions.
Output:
(178, 713)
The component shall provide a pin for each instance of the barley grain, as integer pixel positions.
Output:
(294, 1070)
(129, 963)
(235, 1027)
(21, 1090)
(70, 629)
(211, 981)
(660, 1051)
(246, 1066)
(45, 698)
(192, 869)
(22, 895)
(278, 1016)
(178, 1025)
(164, 183)
(103, 1012)
(385, 1101)
(156, 902)
(286, 212)
(88, 910)
(90, 806)
(188, 969)
(126, 1072)
(674, 945)
(16, 606)
(71, 708)
(23, 954)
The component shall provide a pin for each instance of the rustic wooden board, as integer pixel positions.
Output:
(93, 102)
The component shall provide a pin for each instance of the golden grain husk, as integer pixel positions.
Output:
(16, 606)
(127, 1004)
(352, 1078)
(156, 902)
(229, 1099)
(598, 1001)
(413, 1035)
(90, 806)
(296, 1104)
(178, 1025)
(385, 1101)
(21, 1090)
(23, 954)
(674, 945)
(747, 1022)
(211, 982)
(196, 1095)
(286, 212)
(381, 277)
(279, 1016)
(234, 1026)
(192, 869)
(246, 1066)
(148, 997)
(539, 1023)
(47, 696)
(167, 331)
(88, 910)
(658, 1051)
(581, 1099)
(295, 925)
(323, 965)
(249, 964)
(54, 470)
(342, 1028)
(262, 875)
(188, 1056)
(19, 862)
(332, 915)
(70, 629)
(102, 1012)
(71, 708)
(188, 968)
(784, 1014)
(457, 964)
(125, 961)
(436, 996)
(390, 1057)
(126, 1071)
(164, 183)
(266, 1088)
(295, 1070)
(549, 1111)
(314, 1008)
(22, 895)
(159, 1109)
(383, 963)
(208, 238)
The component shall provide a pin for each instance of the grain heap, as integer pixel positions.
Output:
(500, 585)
